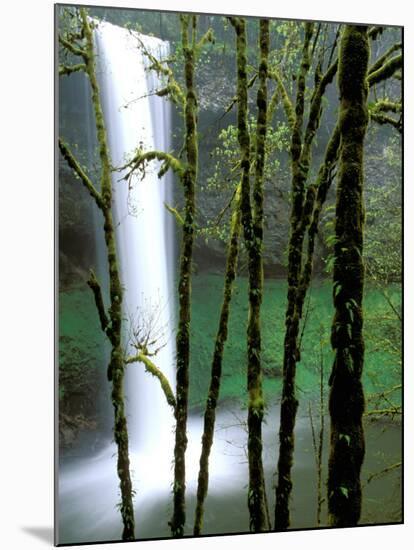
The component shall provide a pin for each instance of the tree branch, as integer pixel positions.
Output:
(234, 100)
(374, 32)
(173, 89)
(79, 171)
(155, 371)
(378, 110)
(384, 106)
(296, 145)
(380, 118)
(139, 160)
(70, 47)
(383, 472)
(69, 69)
(178, 217)
(315, 111)
(397, 410)
(207, 37)
(287, 103)
(235, 21)
(94, 285)
(387, 70)
(381, 60)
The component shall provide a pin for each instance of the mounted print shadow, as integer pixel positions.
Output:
(230, 274)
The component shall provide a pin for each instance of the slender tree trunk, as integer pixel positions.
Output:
(257, 491)
(289, 402)
(216, 368)
(320, 191)
(253, 235)
(116, 367)
(112, 326)
(189, 177)
(346, 399)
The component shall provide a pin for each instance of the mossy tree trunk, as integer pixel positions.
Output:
(216, 367)
(289, 402)
(252, 222)
(111, 322)
(346, 399)
(307, 205)
(319, 194)
(307, 202)
(188, 34)
(186, 170)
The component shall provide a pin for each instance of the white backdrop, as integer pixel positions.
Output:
(26, 270)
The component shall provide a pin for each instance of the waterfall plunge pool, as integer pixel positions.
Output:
(88, 487)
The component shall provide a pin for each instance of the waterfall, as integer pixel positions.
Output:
(89, 485)
(135, 117)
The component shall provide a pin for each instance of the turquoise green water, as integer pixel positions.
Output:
(382, 335)
(81, 339)
(84, 479)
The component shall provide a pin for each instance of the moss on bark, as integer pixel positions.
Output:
(388, 69)
(308, 206)
(152, 369)
(382, 60)
(322, 185)
(188, 179)
(289, 402)
(216, 367)
(253, 235)
(113, 326)
(346, 400)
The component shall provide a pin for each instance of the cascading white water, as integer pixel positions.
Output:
(135, 117)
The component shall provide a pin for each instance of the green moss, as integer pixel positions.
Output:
(252, 222)
(217, 363)
(346, 399)
(300, 157)
(188, 179)
(385, 71)
(113, 328)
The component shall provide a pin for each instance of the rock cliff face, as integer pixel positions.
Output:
(210, 253)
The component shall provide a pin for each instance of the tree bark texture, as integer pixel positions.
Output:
(216, 367)
(346, 399)
(289, 402)
(113, 321)
(188, 179)
(252, 223)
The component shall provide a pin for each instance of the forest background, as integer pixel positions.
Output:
(27, 275)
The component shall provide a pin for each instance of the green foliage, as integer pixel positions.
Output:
(81, 363)
(345, 437)
(288, 42)
(383, 242)
(344, 491)
(383, 334)
(225, 172)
